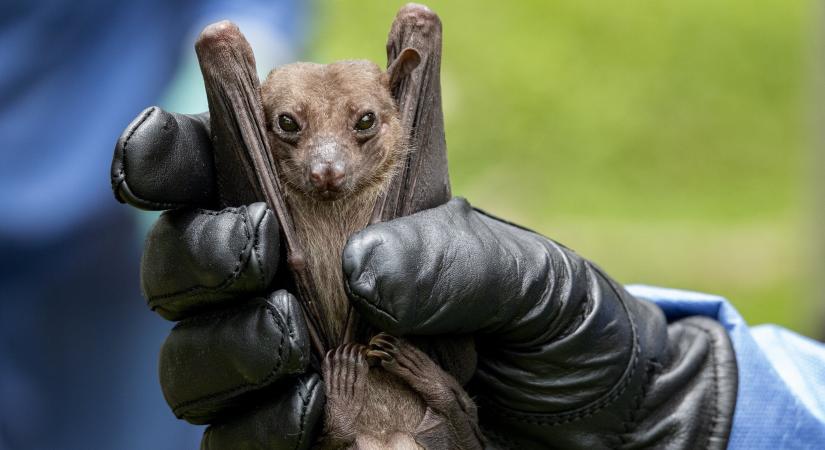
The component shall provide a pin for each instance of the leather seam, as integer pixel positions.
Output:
(638, 402)
(291, 330)
(257, 249)
(304, 409)
(243, 387)
(597, 405)
(121, 172)
(228, 281)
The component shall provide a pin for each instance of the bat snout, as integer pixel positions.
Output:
(328, 176)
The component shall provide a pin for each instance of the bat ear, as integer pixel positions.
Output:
(404, 64)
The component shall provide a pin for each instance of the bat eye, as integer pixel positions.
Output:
(288, 124)
(365, 122)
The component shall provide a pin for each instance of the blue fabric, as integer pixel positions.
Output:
(781, 395)
(78, 346)
(75, 73)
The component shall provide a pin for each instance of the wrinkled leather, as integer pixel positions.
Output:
(211, 361)
(233, 359)
(163, 161)
(183, 270)
(566, 357)
(290, 421)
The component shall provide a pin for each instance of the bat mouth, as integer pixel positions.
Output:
(325, 190)
(328, 195)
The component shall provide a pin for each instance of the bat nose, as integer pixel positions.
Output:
(328, 176)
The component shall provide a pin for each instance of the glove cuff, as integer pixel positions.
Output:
(677, 387)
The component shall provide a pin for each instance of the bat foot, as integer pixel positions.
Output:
(450, 410)
(414, 367)
(345, 375)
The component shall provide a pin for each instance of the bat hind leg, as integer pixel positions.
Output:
(451, 420)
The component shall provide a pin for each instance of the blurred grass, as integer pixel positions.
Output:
(666, 141)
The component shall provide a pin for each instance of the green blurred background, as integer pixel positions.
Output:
(670, 142)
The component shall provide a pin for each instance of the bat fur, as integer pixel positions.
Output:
(336, 136)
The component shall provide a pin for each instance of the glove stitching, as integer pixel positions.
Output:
(256, 248)
(228, 281)
(304, 410)
(121, 173)
(243, 387)
(292, 335)
(638, 400)
(588, 410)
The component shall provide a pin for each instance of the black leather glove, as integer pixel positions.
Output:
(238, 357)
(566, 357)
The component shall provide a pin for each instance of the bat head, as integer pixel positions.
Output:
(334, 128)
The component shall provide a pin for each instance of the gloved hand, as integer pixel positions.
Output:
(238, 357)
(566, 357)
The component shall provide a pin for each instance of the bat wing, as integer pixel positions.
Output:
(423, 182)
(247, 172)
(244, 164)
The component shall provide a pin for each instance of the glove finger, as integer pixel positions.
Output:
(444, 270)
(196, 259)
(291, 421)
(209, 364)
(164, 160)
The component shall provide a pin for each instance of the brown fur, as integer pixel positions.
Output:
(367, 407)
(327, 100)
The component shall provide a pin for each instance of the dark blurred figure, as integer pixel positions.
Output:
(78, 346)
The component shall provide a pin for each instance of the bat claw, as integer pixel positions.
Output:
(384, 341)
(382, 356)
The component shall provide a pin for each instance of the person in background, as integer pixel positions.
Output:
(78, 347)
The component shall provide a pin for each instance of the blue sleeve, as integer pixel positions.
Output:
(781, 394)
